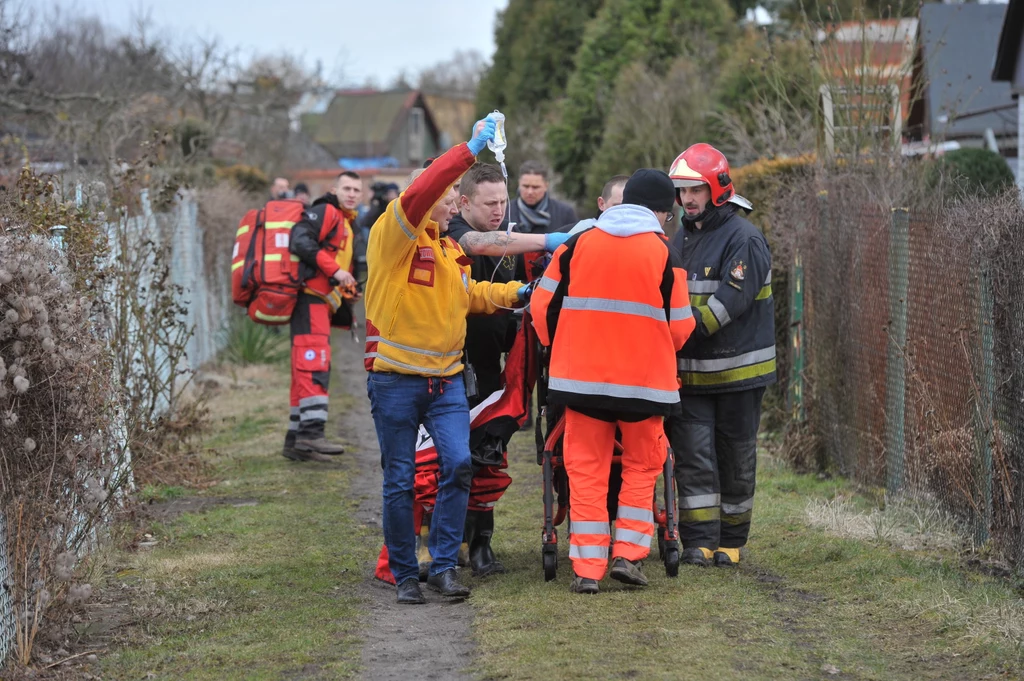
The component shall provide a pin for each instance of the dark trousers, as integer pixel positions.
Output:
(715, 444)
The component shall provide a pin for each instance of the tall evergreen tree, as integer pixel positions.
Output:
(649, 32)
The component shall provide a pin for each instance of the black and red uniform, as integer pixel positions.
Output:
(322, 241)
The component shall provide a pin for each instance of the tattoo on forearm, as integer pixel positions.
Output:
(474, 242)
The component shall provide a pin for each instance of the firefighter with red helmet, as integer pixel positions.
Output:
(726, 364)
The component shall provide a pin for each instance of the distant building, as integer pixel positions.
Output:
(1009, 68)
(372, 129)
(959, 99)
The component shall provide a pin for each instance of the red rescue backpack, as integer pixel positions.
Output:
(264, 274)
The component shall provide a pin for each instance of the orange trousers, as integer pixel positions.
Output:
(589, 447)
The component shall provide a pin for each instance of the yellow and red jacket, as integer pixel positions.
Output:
(419, 289)
(614, 308)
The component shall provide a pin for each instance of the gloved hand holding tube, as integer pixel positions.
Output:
(526, 291)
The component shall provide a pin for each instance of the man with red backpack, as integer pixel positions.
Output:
(323, 242)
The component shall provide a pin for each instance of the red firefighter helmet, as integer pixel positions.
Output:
(703, 164)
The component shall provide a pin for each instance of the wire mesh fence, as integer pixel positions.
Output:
(910, 329)
(6, 599)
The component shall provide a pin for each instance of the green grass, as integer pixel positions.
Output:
(265, 585)
(260, 587)
(803, 605)
(154, 493)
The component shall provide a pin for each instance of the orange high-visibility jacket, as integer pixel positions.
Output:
(615, 310)
(419, 289)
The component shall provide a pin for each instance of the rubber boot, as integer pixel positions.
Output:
(481, 555)
(698, 556)
(423, 547)
(726, 557)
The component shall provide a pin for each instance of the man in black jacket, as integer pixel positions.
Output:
(481, 230)
(725, 365)
(534, 211)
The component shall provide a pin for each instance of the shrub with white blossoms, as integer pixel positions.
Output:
(56, 392)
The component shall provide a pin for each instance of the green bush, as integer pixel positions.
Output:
(978, 172)
(251, 343)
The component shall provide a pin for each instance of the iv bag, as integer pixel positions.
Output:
(498, 144)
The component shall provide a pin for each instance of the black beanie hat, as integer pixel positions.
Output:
(651, 188)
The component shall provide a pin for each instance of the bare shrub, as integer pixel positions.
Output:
(57, 465)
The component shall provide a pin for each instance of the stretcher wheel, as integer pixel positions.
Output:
(672, 562)
(550, 563)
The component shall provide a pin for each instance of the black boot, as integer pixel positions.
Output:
(481, 555)
(448, 584)
(409, 592)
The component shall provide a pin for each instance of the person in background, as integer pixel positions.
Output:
(323, 241)
(611, 195)
(382, 193)
(301, 193)
(534, 211)
(280, 189)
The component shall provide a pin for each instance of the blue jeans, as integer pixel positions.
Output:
(399, 404)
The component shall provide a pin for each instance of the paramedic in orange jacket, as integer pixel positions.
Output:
(322, 241)
(614, 308)
(418, 293)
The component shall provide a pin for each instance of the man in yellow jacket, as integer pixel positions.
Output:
(418, 293)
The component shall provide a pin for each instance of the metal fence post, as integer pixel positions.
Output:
(796, 341)
(984, 426)
(895, 366)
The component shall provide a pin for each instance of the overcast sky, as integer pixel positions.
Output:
(363, 39)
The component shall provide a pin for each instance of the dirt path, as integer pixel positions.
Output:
(401, 642)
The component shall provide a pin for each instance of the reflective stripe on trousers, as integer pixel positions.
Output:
(589, 446)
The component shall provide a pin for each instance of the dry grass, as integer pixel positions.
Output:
(908, 525)
(980, 620)
(189, 563)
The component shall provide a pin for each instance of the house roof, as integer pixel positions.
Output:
(872, 31)
(362, 123)
(957, 45)
(1009, 42)
(454, 115)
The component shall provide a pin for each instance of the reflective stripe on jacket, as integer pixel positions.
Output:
(730, 286)
(614, 310)
(419, 289)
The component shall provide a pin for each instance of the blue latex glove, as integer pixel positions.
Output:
(480, 139)
(554, 240)
(524, 293)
